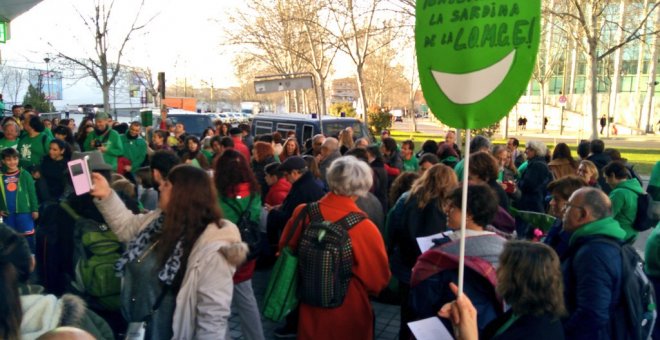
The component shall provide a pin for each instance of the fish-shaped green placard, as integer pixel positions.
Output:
(475, 57)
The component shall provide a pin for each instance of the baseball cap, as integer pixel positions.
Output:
(292, 163)
(102, 115)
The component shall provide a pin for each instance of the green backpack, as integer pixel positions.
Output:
(96, 250)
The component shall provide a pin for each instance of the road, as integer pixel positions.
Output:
(645, 141)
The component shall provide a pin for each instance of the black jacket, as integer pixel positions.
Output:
(305, 190)
(408, 222)
(260, 174)
(532, 185)
(381, 183)
(526, 327)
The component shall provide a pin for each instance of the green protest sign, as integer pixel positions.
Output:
(475, 57)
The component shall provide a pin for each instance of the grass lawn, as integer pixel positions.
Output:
(642, 158)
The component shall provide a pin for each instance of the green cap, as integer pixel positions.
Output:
(102, 115)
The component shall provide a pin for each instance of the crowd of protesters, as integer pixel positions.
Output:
(176, 203)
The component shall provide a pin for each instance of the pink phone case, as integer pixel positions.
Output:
(80, 175)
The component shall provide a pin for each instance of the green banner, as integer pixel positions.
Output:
(475, 57)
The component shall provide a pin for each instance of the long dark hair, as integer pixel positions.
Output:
(68, 151)
(231, 169)
(192, 206)
(15, 260)
(562, 151)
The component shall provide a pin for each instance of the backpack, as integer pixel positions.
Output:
(647, 215)
(637, 294)
(436, 267)
(96, 250)
(248, 228)
(325, 256)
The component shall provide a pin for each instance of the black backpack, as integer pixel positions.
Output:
(325, 256)
(637, 294)
(249, 229)
(646, 216)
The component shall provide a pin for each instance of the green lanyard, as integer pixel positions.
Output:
(507, 324)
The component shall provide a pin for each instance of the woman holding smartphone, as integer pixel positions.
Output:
(180, 258)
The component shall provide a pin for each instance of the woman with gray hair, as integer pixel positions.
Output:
(534, 179)
(348, 178)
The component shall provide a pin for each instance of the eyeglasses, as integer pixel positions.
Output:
(568, 204)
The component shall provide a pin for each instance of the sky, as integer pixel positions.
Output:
(183, 38)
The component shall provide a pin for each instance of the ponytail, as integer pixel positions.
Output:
(10, 302)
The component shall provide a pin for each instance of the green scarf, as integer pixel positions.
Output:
(607, 226)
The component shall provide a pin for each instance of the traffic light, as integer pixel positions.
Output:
(161, 84)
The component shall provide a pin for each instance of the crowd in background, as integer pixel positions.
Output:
(176, 204)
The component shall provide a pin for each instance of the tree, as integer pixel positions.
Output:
(12, 80)
(550, 56)
(585, 22)
(347, 108)
(37, 98)
(380, 119)
(146, 78)
(357, 25)
(384, 80)
(104, 64)
(274, 39)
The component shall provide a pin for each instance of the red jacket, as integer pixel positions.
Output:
(277, 193)
(242, 148)
(354, 319)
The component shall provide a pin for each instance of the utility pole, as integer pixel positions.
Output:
(47, 60)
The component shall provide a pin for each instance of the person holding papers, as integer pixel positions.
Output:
(438, 266)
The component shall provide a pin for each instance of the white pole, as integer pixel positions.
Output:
(466, 170)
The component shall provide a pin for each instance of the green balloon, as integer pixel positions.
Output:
(475, 57)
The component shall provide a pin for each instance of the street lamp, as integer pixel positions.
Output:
(47, 60)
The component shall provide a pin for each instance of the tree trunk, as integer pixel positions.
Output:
(321, 98)
(614, 90)
(591, 88)
(360, 81)
(106, 98)
(650, 91)
(542, 107)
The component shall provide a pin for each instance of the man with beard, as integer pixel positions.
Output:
(105, 139)
(135, 147)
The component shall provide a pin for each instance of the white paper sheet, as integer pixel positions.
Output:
(429, 329)
(425, 243)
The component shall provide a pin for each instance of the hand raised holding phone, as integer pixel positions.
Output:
(101, 188)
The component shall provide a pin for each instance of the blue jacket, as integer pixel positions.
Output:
(557, 238)
(592, 272)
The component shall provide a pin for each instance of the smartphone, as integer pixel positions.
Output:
(80, 175)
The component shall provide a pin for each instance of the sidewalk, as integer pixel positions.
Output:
(387, 316)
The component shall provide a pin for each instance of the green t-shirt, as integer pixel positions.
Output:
(113, 146)
(135, 150)
(411, 165)
(5, 143)
(33, 149)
